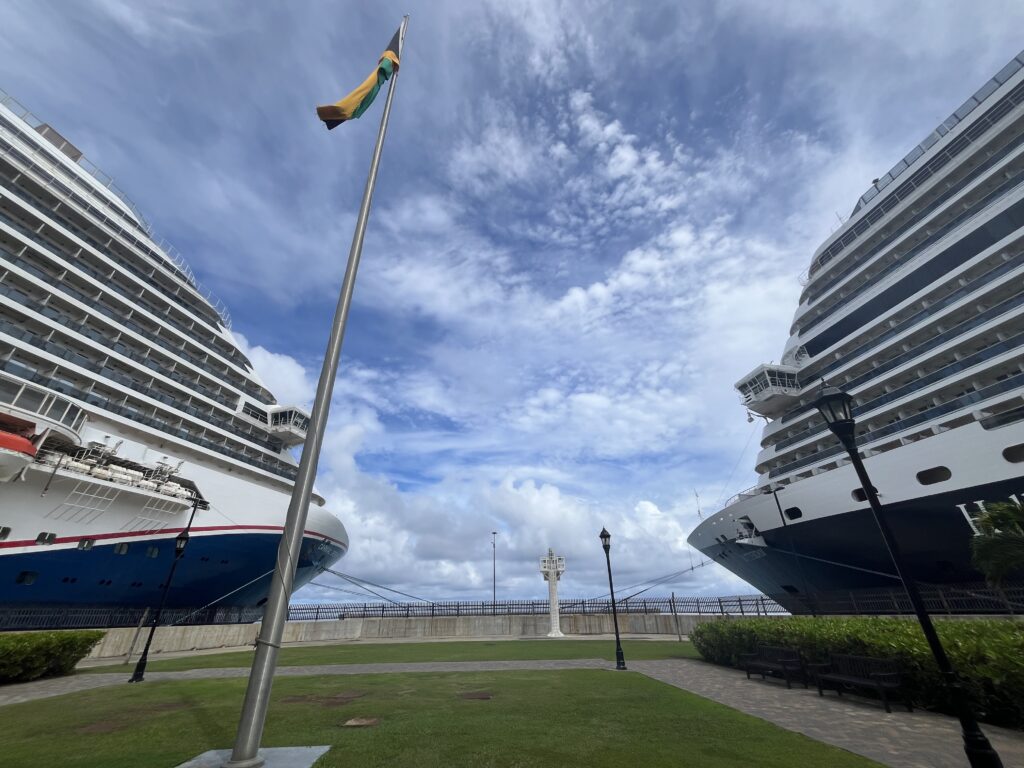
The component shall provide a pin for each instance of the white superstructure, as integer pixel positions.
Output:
(915, 306)
(139, 407)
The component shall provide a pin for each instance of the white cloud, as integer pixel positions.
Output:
(577, 245)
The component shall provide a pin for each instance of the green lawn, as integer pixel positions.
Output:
(591, 718)
(366, 653)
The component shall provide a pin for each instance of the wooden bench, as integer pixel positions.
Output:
(775, 660)
(883, 675)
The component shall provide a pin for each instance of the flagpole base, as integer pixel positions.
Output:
(276, 757)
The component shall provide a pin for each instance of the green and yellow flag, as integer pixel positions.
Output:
(361, 98)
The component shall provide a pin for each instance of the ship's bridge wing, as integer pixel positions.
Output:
(769, 389)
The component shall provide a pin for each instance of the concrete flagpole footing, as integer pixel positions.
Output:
(275, 757)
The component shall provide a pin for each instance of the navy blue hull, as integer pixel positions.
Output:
(226, 569)
(845, 552)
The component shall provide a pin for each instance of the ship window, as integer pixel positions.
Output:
(933, 475)
(46, 538)
(121, 548)
(86, 544)
(1014, 453)
(793, 513)
(153, 552)
(5, 531)
(859, 495)
(26, 578)
(791, 589)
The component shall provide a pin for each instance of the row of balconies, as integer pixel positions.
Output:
(75, 180)
(105, 328)
(35, 369)
(946, 365)
(82, 217)
(1005, 375)
(983, 292)
(929, 174)
(984, 197)
(107, 274)
(99, 296)
(97, 361)
(1010, 169)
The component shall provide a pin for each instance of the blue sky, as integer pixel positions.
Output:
(590, 221)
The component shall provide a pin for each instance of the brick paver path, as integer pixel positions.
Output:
(900, 740)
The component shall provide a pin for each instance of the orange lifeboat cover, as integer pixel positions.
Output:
(17, 443)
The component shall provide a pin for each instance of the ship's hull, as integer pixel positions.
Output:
(834, 546)
(114, 544)
(222, 569)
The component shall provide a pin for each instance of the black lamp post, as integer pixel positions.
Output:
(179, 549)
(606, 543)
(494, 571)
(835, 407)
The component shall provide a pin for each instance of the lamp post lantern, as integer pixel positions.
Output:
(180, 542)
(606, 544)
(835, 407)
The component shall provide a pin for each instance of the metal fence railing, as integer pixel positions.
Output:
(741, 605)
(961, 599)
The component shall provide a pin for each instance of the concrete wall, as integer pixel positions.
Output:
(117, 642)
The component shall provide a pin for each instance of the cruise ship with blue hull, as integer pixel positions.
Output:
(128, 414)
(915, 306)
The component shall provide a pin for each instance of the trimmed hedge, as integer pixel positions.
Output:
(988, 654)
(27, 656)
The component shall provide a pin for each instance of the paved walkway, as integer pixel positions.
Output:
(900, 740)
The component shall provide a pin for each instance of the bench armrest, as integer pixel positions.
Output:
(885, 676)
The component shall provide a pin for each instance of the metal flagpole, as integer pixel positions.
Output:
(245, 753)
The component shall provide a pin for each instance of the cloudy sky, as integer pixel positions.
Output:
(590, 221)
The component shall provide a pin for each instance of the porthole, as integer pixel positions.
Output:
(121, 548)
(859, 495)
(152, 552)
(26, 578)
(790, 588)
(793, 513)
(5, 531)
(933, 475)
(45, 538)
(86, 544)
(1014, 453)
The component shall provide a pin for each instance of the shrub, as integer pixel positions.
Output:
(988, 654)
(27, 656)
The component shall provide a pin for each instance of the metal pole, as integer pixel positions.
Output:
(620, 660)
(135, 637)
(139, 675)
(980, 753)
(675, 615)
(257, 695)
(494, 570)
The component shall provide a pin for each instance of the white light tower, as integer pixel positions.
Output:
(552, 567)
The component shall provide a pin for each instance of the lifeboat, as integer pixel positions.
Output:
(16, 452)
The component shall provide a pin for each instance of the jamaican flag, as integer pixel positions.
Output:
(362, 97)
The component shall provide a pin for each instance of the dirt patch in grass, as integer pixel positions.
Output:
(361, 722)
(332, 700)
(167, 706)
(481, 695)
